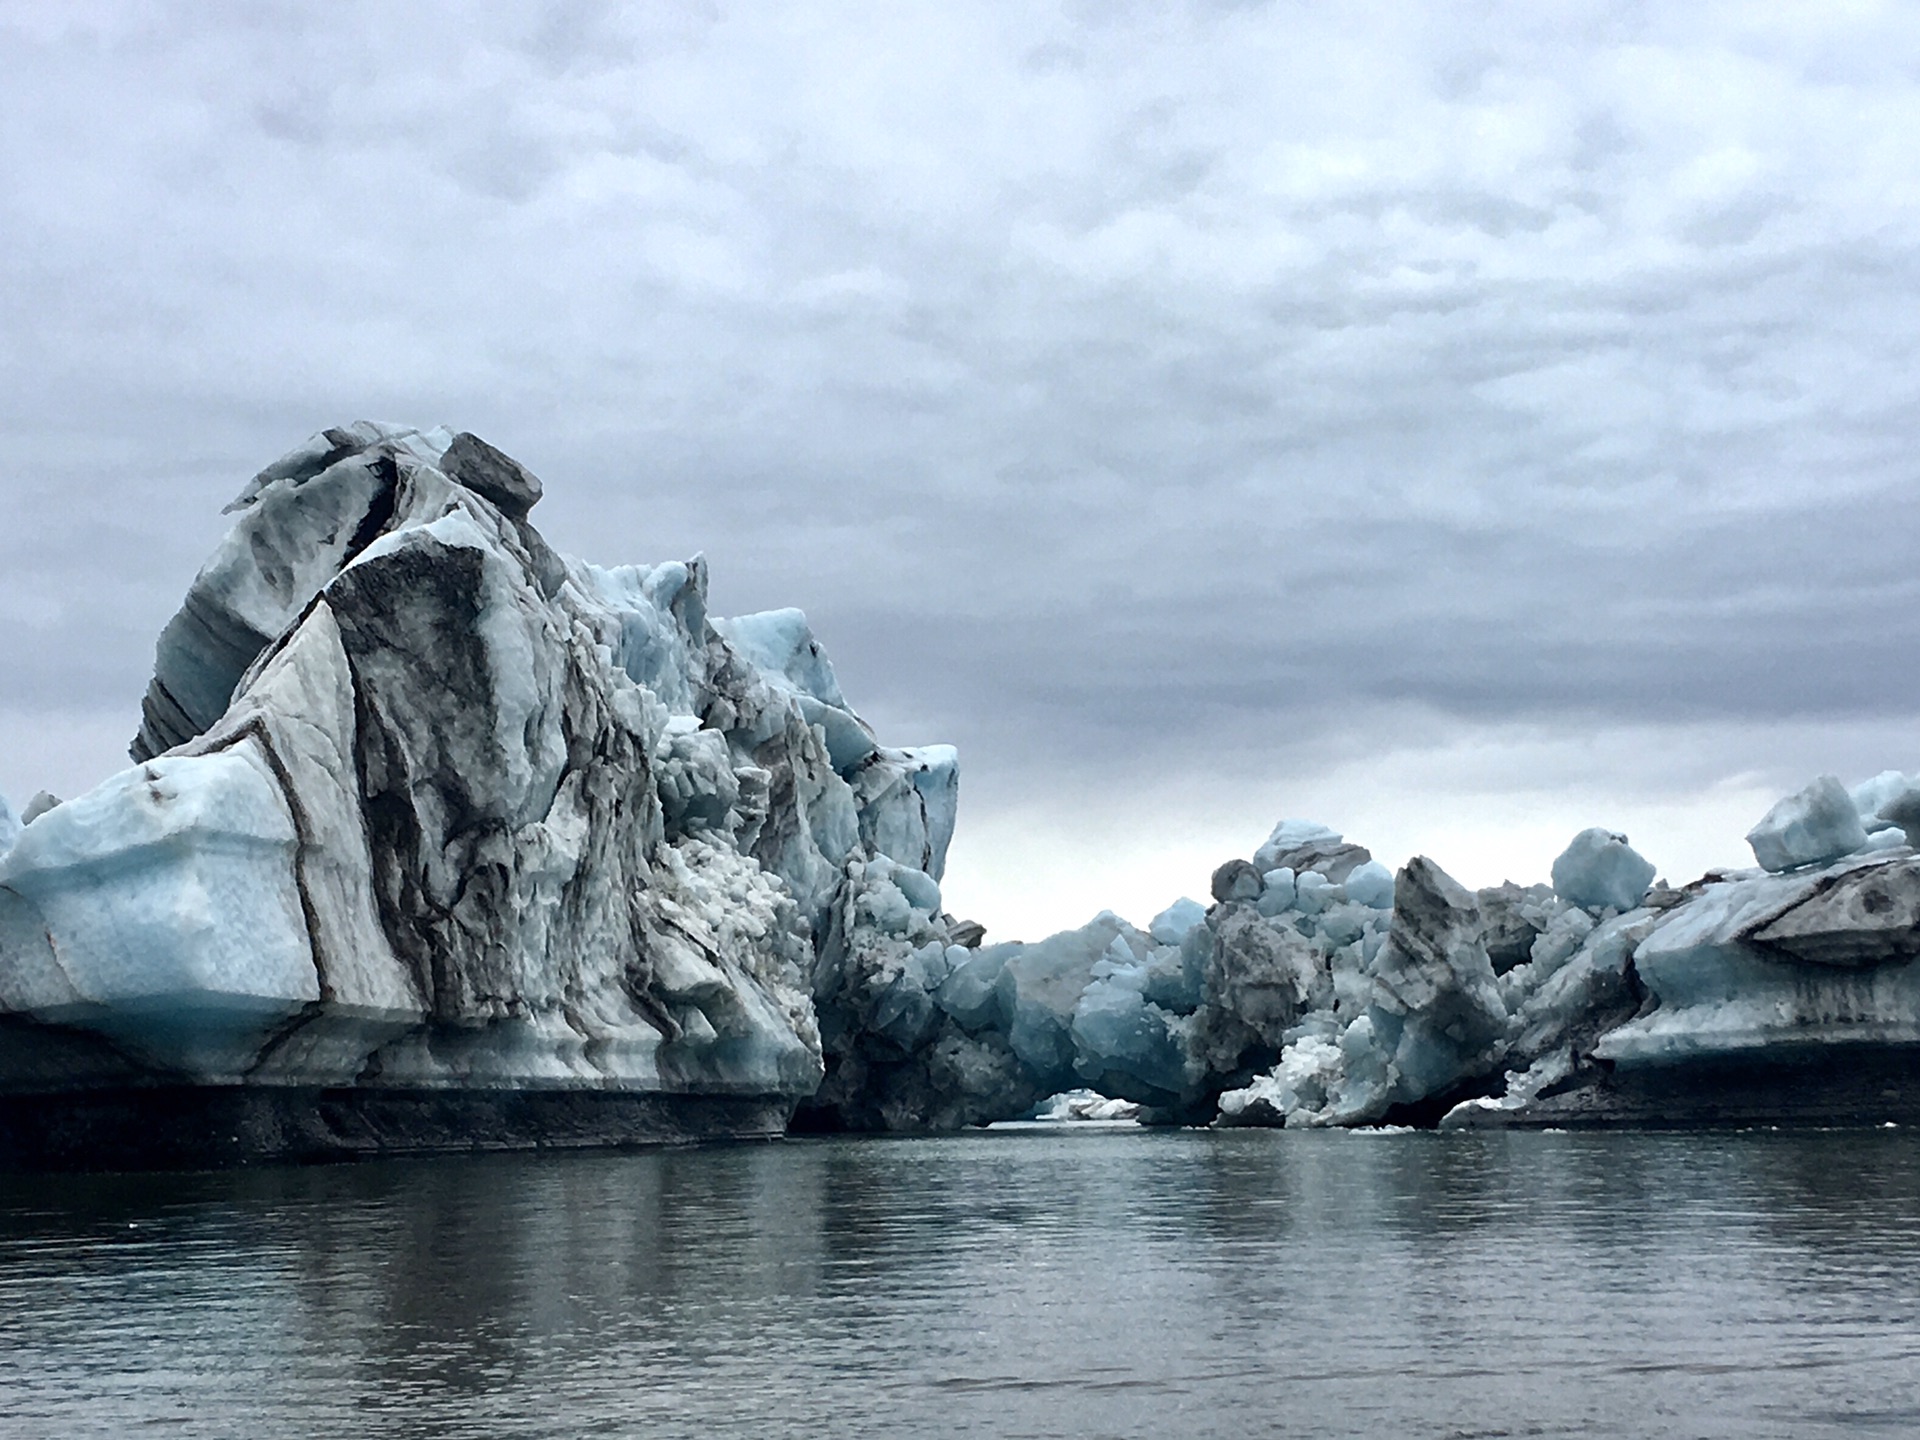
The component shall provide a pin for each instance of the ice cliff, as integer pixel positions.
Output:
(423, 810)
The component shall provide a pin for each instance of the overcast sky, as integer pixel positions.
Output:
(1457, 423)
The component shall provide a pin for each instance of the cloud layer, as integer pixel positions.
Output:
(1173, 405)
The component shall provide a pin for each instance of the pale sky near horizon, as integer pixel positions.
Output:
(1458, 424)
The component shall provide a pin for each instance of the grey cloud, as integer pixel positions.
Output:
(1103, 381)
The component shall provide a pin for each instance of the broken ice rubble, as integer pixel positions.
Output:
(1296, 999)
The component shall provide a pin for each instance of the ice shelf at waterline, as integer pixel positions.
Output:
(438, 839)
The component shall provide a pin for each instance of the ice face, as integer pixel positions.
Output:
(971, 991)
(1040, 990)
(177, 934)
(470, 813)
(10, 827)
(781, 645)
(1123, 1042)
(1816, 825)
(1600, 871)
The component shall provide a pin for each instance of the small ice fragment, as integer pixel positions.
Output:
(1371, 885)
(1599, 870)
(1815, 825)
(1869, 795)
(1313, 892)
(1171, 925)
(1278, 896)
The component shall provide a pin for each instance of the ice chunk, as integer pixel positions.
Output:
(170, 892)
(1039, 991)
(970, 993)
(1437, 1013)
(1782, 963)
(1175, 977)
(1171, 925)
(1313, 892)
(1903, 810)
(781, 645)
(919, 888)
(1869, 795)
(1125, 1045)
(1302, 845)
(1298, 1087)
(1344, 923)
(1371, 885)
(908, 799)
(1291, 835)
(1261, 976)
(44, 802)
(1084, 1105)
(1278, 896)
(1811, 827)
(1581, 995)
(1236, 880)
(1599, 870)
(10, 827)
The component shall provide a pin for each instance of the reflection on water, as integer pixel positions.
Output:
(1044, 1282)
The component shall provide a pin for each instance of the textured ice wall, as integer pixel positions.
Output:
(419, 802)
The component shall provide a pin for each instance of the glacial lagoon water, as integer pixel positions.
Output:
(1045, 1281)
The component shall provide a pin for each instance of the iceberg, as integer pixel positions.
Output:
(435, 838)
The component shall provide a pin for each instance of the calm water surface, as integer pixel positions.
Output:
(1038, 1282)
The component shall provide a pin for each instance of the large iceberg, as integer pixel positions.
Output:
(437, 837)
